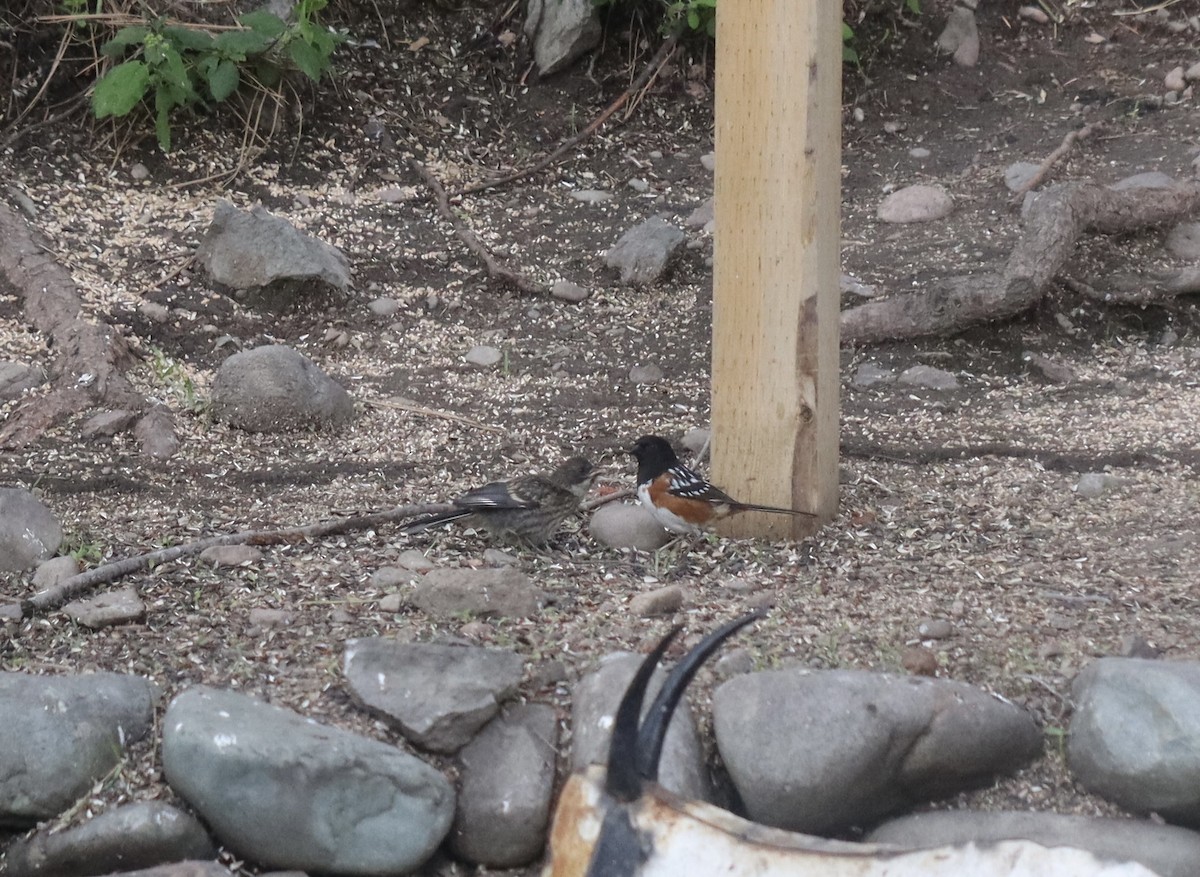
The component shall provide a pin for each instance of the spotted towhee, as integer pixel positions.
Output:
(527, 509)
(679, 499)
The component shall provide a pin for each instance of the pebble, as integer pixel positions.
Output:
(935, 628)
(639, 185)
(384, 307)
(916, 204)
(709, 161)
(264, 618)
(919, 152)
(646, 374)
(591, 196)
(663, 601)
(928, 377)
(1175, 80)
(568, 291)
(484, 356)
(869, 375)
(1094, 484)
(415, 560)
(391, 603)
(139, 171)
(230, 555)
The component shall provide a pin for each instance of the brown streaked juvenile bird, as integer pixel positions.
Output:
(526, 509)
(680, 499)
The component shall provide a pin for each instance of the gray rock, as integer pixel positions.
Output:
(1017, 174)
(107, 423)
(819, 751)
(138, 835)
(643, 254)
(660, 601)
(928, 377)
(391, 603)
(696, 439)
(254, 249)
(387, 577)
(415, 560)
(184, 869)
(591, 196)
(854, 286)
(16, 378)
(29, 532)
(61, 733)
(54, 570)
(627, 525)
(702, 215)
(935, 628)
(277, 389)
(1175, 79)
(1135, 735)
(265, 618)
(383, 307)
(565, 290)
(1052, 370)
(870, 375)
(1145, 180)
(1095, 484)
(120, 606)
(231, 555)
(155, 432)
(594, 702)
(507, 780)
(919, 152)
(437, 695)
(286, 792)
(562, 31)
(916, 204)
(960, 37)
(1183, 241)
(478, 593)
(638, 185)
(1166, 850)
(646, 374)
(484, 356)
(497, 557)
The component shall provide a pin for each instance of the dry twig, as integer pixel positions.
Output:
(495, 270)
(1052, 159)
(65, 590)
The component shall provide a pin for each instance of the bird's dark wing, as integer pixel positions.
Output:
(687, 484)
(516, 494)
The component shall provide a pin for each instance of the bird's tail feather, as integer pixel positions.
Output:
(420, 525)
(775, 510)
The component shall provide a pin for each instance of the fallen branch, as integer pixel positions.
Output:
(1052, 159)
(652, 67)
(404, 405)
(495, 270)
(1139, 289)
(53, 597)
(92, 357)
(1055, 220)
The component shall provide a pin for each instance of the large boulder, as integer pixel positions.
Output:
(288, 793)
(823, 750)
(277, 389)
(1135, 735)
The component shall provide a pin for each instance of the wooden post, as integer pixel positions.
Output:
(776, 260)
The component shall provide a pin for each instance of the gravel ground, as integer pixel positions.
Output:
(955, 505)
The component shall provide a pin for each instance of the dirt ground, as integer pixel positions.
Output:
(955, 505)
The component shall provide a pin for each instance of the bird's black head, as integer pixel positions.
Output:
(654, 455)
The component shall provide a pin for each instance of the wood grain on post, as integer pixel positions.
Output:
(775, 285)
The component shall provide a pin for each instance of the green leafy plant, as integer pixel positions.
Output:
(172, 66)
(171, 374)
(676, 16)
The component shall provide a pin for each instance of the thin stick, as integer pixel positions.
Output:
(52, 598)
(495, 270)
(652, 67)
(401, 405)
(1040, 174)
